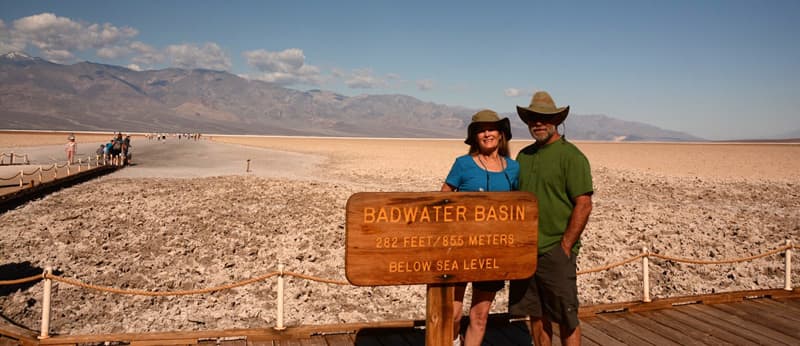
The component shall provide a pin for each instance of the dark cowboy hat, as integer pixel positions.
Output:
(543, 108)
(487, 116)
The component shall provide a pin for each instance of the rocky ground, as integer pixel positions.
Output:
(171, 234)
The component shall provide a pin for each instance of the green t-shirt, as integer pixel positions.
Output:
(556, 173)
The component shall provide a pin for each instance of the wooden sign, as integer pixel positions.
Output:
(396, 238)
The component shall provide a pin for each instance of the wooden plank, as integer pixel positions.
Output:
(661, 329)
(611, 328)
(737, 325)
(556, 341)
(164, 342)
(587, 342)
(700, 336)
(316, 340)
(621, 321)
(15, 332)
(258, 334)
(588, 331)
(783, 305)
(288, 342)
(4, 341)
(776, 314)
(772, 320)
(259, 343)
(778, 309)
(792, 302)
(339, 340)
(667, 303)
(768, 320)
(239, 342)
(706, 328)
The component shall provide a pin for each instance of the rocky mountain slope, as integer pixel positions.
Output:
(38, 94)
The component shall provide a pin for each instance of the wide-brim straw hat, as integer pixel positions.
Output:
(543, 108)
(487, 116)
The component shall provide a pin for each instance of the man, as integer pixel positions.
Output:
(559, 175)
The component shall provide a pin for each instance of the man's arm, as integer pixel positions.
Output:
(577, 222)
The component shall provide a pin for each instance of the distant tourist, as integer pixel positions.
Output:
(486, 167)
(558, 173)
(71, 148)
(116, 146)
(126, 148)
(107, 150)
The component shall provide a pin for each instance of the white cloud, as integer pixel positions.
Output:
(364, 79)
(337, 73)
(58, 38)
(145, 54)
(134, 67)
(285, 67)
(209, 56)
(108, 34)
(513, 92)
(113, 52)
(9, 43)
(425, 84)
(60, 55)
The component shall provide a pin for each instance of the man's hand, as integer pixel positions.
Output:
(566, 248)
(577, 222)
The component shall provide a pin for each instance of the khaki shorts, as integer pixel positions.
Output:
(551, 292)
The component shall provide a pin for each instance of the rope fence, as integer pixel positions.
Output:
(49, 277)
(11, 157)
(81, 165)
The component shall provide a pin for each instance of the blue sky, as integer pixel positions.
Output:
(715, 69)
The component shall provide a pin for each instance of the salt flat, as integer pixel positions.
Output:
(162, 225)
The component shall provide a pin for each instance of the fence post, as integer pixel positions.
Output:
(48, 284)
(40, 174)
(79, 165)
(279, 324)
(248, 166)
(12, 158)
(645, 276)
(68, 173)
(21, 177)
(788, 281)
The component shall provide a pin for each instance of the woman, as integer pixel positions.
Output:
(71, 148)
(487, 167)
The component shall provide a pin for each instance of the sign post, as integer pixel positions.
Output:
(439, 239)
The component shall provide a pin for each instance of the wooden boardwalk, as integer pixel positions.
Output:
(12, 195)
(765, 317)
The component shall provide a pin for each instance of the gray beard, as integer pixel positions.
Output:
(545, 139)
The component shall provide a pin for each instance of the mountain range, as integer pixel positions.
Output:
(38, 94)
